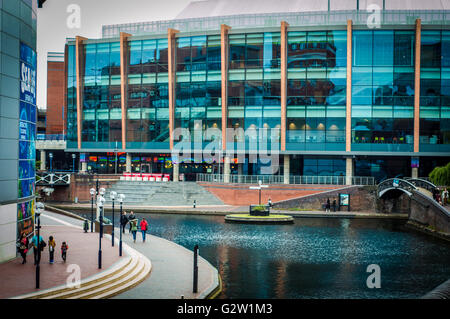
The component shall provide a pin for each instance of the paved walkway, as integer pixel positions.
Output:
(172, 264)
(17, 279)
(172, 272)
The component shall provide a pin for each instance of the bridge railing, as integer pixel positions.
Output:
(279, 179)
(52, 179)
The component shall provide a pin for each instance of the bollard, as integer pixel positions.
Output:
(195, 288)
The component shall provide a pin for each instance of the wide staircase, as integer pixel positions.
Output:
(162, 193)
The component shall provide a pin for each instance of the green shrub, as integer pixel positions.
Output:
(440, 175)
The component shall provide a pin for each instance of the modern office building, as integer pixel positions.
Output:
(342, 88)
(17, 121)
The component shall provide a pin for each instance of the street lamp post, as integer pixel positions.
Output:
(73, 162)
(50, 155)
(113, 196)
(100, 201)
(39, 209)
(121, 199)
(93, 192)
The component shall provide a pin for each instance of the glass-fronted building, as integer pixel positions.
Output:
(326, 91)
(17, 122)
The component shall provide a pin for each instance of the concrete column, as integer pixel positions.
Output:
(124, 84)
(83, 167)
(415, 172)
(240, 171)
(176, 172)
(283, 86)
(171, 48)
(224, 51)
(348, 171)
(43, 160)
(79, 74)
(226, 169)
(417, 86)
(287, 168)
(128, 163)
(348, 112)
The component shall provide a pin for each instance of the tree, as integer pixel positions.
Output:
(440, 175)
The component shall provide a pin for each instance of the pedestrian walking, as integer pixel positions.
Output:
(445, 196)
(144, 227)
(130, 218)
(34, 242)
(270, 203)
(23, 247)
(86, 226)
(123, 221)
(51, 248)
(334, 205)
(64, 249)
(327, 206)
(134, 228)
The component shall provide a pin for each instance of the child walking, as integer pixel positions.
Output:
(64, 248)
(51, 248)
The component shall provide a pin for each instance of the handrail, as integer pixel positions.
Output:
(279, 179)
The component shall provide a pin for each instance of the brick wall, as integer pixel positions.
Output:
(55, 98)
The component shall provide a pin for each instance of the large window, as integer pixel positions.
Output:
(316, 90)
(383, 90)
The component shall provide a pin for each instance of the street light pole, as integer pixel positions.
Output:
(112, 195)
(73, 162)
(39, 209)
(92, 191)
(100, 202)
(121, 198)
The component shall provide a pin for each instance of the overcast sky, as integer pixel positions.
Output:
(52, 29)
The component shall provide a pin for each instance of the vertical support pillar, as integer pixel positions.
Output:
(171, 73)
(83, 167)
(348, 170)
(417, 86)
(348, 113)
(124, 84)
(283, 85)
(176, 172)
(224, 51)
(79, 65)
(226, 169)
(128, 163)
(287, 169)
(43, 160)
(415, 172)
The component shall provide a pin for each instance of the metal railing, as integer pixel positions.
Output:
(279, 179)
(316, 18)
(50, 137)
(46, 178)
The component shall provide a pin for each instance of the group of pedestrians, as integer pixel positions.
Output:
(441, 196)
(328, 205)
(23, 246)
(134, 225)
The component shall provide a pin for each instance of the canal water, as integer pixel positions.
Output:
(312, 258)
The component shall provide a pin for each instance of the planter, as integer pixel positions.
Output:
(259, 210)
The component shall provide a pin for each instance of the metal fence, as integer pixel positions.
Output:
(315, 18)
(279, 179)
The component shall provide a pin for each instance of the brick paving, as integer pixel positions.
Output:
(17, 279)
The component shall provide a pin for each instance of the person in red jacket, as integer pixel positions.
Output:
(144, 227)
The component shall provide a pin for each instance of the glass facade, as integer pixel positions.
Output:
(382, 99)
(435, 91)
(101, 96)
(147, 99)
(254, 101)
(383, 90)
(316, 90)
